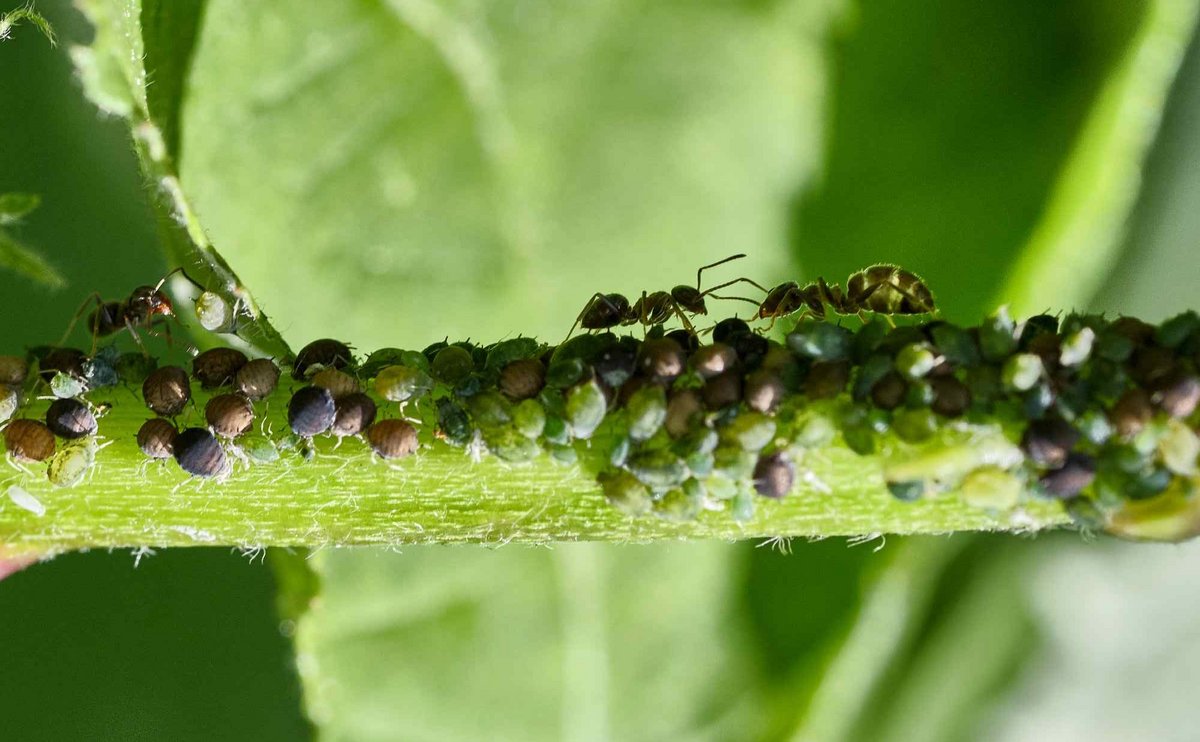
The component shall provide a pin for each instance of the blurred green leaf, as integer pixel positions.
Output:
(13, 206)
(22, 259)
(581, 642)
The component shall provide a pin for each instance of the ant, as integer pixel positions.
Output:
(883, 289)
(604, 311)
(141, 310)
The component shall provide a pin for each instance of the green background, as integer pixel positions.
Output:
(944, 130)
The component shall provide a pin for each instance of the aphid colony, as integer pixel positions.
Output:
(1098, 414)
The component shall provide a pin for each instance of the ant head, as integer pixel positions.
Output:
(148, 301)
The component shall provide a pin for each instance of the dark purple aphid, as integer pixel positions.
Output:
(199, 453)
(1068, 480)
(774, 475)
(311, 411)
(70, 419)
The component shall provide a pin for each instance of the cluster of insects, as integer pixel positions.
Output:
(879, 289)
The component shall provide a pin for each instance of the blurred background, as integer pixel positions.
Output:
(392, 174)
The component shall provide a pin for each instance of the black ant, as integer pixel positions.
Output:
(604, 311)
(141, 310)
(883, 289)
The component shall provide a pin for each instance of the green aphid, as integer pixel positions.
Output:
(752, 431)
(1179, 447)
(658, 469)
(506, 351)
(997, 336)
(945, 463)
(700, 440)
(1094, 426)
(956, 345)
(679, 505)
(721, 488)
(915, 361)
(813, 430)
(872, 370)
(509, 445)
(734, 463)
(402, 383)
(452, 364)
(490, 410)
(453, 421)
(565, 372)
(700, 463)
(564, 455)
(1022, 372)
(556, 431)
(384, 357)
(1077, 347)
(860, 439)
(65, 386)
(915, 425)
(584, 347)
(259, 448)
(991, 488)
(586, 407)
(919, 394)
(821, 341)
(529, 418)
(10, 400)
(1113, 346)
(1173, 332)
(868, 338)
(742, 507)
(907, 491)
(647, 410)
(624, 492)
(72, 462)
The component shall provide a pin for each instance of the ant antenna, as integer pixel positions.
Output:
(714, 265)
(183, 273)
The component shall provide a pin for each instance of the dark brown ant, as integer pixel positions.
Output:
(604, 311)
(145, 309)
(883, 289)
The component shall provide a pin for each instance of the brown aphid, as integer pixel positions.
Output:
(1133, 329)
(660, 358)
(1049, 442)
(1131, 412)
(1178, 394)
(392, 439)
(763, 391)
(951, 397)
(167, 390)
(311, 411)
(774, 475)
(826, 379)
(229, 415)
(29, 440)
(353, 414)
(522, 379)
(339, 383)
(723, 390)
(257, 379)
(156, 438)
(67, 361)
(13, 370)
(684, 410)
(1069, 480)
(1152, 364)
(70, 419)
(199, 453)
(327, 353)
(217, 367)
(713, 360)
(888, 393)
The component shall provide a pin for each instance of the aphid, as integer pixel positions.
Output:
(229, 415)
(215, 314)
(1048, 442)
(774, 475)
(604, 311)
(660, 358)
(353, 413)
(402, 383)
(883, 289)
(257, 379)
(392, 439)
(29, 440)
(156, 438)
(723, 390)
(199, 453)
(763, 390)
(326, 353)
(1069, 479)
(71, 464)
(24, 500)
(13, 370)
(167, 390)
(67, 361)
(452, 364)
(522, 379)
(10, 401)
(684, 410)
(951, 397)
(585, 408)
(145, 310)
(713, 360)
(339, 383)
(217, 367)
(70, 419)
(311, 411)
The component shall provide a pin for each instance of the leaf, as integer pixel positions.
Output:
(13, 18)
(21, 259)
(135, 46)
(580, 642)
(467, 169)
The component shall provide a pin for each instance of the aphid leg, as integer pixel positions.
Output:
(93, 297)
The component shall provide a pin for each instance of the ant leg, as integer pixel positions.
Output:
(136, 338)
(687, 325)
(93, 297)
